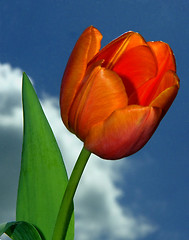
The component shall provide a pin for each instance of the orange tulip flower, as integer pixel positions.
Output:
(113, 99)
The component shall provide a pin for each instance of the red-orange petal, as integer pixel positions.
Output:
(131, 58)
(124, 132)
(143, 95)
(164, 55)
(86, 47)
(136, 67)
(166, 92)
(114, 50)
(110, 50)
(150, 90)
(101, 94)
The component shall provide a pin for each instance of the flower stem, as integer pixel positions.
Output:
(66, 207)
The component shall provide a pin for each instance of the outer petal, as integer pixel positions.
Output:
(86, 47)
(166, 92)
(124, 132)
(164, 56)
(102, 93)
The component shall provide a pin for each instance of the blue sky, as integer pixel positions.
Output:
(150, 188)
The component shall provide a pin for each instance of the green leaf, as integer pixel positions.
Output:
(43, 176)
(20, 231)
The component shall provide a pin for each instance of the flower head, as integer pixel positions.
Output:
(113, 99)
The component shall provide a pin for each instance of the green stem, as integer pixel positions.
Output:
(66, 207)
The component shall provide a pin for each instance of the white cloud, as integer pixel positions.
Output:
(99, 215)
(10, 104)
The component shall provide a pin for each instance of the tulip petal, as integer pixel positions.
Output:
(143, 95)
(86, 47)
(164, 56)
(110, 50)
(113, 51)
(152, 89)
(124, 132)
(166, 91)
(136, 67)
(102, 93)
(131, 58)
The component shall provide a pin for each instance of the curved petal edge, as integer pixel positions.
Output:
(86, 47)
(124, 132)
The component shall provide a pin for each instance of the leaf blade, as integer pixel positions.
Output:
(20, 230)
(43, 176)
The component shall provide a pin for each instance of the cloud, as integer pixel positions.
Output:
(99, 214)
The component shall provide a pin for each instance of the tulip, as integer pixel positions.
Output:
(113, 99)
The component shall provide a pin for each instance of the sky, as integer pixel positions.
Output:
(144, 196)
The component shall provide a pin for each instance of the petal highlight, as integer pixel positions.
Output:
(102, 93)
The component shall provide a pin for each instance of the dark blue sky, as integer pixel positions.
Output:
(38, 36)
